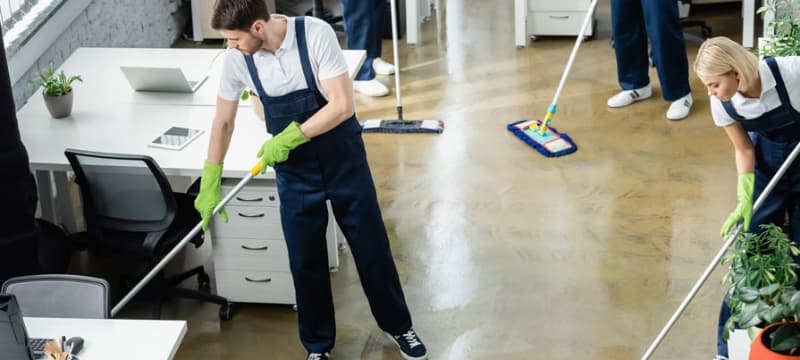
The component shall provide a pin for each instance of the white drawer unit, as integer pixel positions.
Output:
(251, 261)
(558, 18)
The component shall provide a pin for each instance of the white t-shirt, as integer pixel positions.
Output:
(281, 73)
(752, 108)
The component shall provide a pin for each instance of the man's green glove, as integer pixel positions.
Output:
(210, 194)
(744, 211)
(277, 148)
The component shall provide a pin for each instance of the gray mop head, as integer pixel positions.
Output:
(403, 126)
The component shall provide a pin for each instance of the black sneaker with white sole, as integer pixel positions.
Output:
(411, 347)
(318, 356)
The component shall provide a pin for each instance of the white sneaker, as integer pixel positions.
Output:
(382, 67)
(680, 108)
(627, 97)
(371, 87)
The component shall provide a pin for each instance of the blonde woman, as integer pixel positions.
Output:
(756, 102)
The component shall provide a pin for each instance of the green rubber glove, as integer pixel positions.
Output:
(744, 211)
(277, 148)
(210, 194)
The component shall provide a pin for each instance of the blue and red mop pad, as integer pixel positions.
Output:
(550, 144)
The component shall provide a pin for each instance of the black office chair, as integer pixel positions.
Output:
(705, 30)
(60, 296)
(320, 11)
(130, 209)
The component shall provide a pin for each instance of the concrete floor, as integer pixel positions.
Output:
(505, 253)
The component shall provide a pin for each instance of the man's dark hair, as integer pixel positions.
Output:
(238, 14)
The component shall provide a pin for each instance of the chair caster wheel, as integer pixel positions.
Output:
(226, 311)
(203, 282)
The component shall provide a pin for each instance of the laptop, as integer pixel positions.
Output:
(165, 79)
(14, 341)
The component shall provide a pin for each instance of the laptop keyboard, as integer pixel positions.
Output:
(37, 346)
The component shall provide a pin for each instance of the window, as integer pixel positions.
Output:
(20, 18)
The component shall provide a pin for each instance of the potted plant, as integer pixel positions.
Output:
(57, 91)
(763, 292)
(785, 31)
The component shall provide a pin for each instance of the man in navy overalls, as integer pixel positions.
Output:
(318, 155)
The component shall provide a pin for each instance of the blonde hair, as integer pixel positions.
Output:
(719, 56)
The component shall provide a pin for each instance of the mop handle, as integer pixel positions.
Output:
(552, 108)
(172, 253)
(728, 242)
(396, 62)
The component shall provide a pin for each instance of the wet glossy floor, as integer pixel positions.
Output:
(504, 253)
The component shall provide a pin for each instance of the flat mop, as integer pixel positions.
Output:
(728, 242)
(538, 133)
(174, 252)
(400, 126)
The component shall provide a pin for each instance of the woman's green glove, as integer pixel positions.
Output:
(744, 211)
(277, 148)
(210, 194)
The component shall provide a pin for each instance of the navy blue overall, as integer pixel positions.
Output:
(774, 135)
(331, 166)
(632, 21)
(363, 27)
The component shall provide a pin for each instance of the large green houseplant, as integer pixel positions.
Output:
(57, 91)
(763, 280)
(784, 39)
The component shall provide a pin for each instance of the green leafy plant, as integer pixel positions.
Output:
(763, 279)
(785, 37)
(55, 84)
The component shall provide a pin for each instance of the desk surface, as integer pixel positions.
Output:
(108, 116)
(99, 68)
(114, 339)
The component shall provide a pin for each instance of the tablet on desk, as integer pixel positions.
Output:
(175, 138)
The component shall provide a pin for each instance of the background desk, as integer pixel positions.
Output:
(108, 116)
(114, 339)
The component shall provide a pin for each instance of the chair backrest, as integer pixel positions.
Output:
(122, 192)
(60, 295)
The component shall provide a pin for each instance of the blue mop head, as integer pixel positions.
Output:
(551, 144)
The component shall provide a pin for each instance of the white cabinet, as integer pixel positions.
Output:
(558, 17)
(251, 262)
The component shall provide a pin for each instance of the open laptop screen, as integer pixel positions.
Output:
(13, 337)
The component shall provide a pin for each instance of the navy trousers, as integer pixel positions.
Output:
(363, 27)
(785, 197)
(632, 23)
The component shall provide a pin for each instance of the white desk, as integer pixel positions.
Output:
(108, 116)
(99, 68)
(114, 339)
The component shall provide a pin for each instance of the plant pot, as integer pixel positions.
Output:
(760, 349)
(59, 106)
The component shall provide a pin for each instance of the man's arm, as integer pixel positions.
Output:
(221, 130)
(339, 108)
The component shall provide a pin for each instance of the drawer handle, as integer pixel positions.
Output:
(272, 198)
(251, 216)
(258, 281)
(559, 17)
(255, 248)
(249, 200)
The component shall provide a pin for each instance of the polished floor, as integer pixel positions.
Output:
(504, 253)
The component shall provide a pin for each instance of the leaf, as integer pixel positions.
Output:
(786, 337)
(774, 314)
(747, 294)
(769, 290)
(749, 316)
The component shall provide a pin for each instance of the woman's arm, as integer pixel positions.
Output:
(745, 152)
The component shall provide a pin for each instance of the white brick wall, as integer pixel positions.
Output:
(112, 23)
